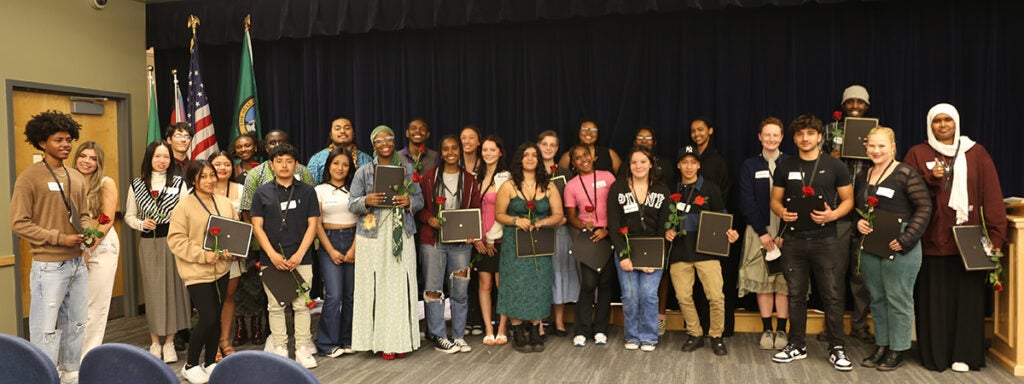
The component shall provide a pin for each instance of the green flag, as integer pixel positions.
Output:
(246, 112)
(153, 133)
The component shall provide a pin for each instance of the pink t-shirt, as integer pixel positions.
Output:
(590, 190)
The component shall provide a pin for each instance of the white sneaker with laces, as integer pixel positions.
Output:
(195, 375)
(661, 327)
(837, 356)
(632, 345)
(579, 340)
(281, 351)
(600, 339)
(790, 353)
(305, 359)
(647, 347)
(69, 377)
(156, 350)
(170, 355)
(463, 345)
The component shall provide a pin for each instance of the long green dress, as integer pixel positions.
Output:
(525, 291)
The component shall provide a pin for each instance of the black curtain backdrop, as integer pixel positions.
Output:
(647, 63)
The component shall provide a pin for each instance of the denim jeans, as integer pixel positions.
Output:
(440, 261)
(59, 310)
(823, 257)
(639, 304)
(335, 329)
(892, 295)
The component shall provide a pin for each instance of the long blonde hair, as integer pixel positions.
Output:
(93, 198)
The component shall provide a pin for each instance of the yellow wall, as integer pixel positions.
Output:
(67, 43)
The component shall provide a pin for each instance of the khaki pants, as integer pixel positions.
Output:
(278, 325)
(710, 273)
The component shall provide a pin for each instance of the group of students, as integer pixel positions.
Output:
(380, 253)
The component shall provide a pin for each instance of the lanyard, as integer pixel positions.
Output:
(594, 185)
(283, 206)
(948, 171)
(66, 198)
(866, 189)
(215, 207)
(814, 172)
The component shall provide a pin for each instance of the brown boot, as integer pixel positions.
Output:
(258, 334)
(241, 334)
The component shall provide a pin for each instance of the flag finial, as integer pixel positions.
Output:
(248, 21)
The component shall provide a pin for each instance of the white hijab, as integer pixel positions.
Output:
(958, 195)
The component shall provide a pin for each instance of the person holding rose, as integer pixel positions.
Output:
(638, 207)
(446, 187)
(494, 174)
(895, 188)
(694, 195)
(151, 198)
(949, 300)
(205, 273)
(529, 201)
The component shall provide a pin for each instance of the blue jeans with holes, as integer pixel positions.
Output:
(441, 261)
(335, 329)
(59, 310)
(639, 304)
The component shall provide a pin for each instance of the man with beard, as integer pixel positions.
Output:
(416, 136)
(342, 135)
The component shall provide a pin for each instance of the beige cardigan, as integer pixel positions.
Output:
(185, 238)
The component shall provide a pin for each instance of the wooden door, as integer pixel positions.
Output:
(99, 128)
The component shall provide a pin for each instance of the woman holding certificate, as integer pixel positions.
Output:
(950, 301)
(638, 207)
(446, 187)
(494, 175)
(385, 317)
(204, 272)
(526, 203)
(897, 189)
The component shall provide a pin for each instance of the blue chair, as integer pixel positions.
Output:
(116, 363)
(260, 367)
(23, 362)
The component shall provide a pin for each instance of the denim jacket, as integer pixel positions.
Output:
(362, 183)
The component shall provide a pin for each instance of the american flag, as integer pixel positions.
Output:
(204, 142)
(178, 116)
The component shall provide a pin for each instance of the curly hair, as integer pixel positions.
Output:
(516, 167)
(805, 121)
(46, 124)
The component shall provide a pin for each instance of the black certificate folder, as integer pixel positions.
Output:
(711, 237)
(803, 207)
(970, 240)
(387, 178)
(235, 236)
(855, 131)
(542, 240)
(887, 228)
(647, 252)
(591, 254)
(460, 225)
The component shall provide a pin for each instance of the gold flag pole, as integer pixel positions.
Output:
(193, 23)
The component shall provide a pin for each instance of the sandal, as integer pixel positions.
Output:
(489, 340)
(225, 348)
(500, 339)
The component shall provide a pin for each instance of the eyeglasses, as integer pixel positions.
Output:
(183, 137)
(588, 129)
(389, 140)
(645, 138)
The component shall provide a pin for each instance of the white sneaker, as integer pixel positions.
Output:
(661, 327)
(600, 339)
(960, 367)
(281, 351)
(170, 355)
(463, 346)
(194, 375)
(579, 340)
(305, 359)
(69, 377)
(632, 346)
(156, 350)
(647, 347)
(209, 368)
(336, 352)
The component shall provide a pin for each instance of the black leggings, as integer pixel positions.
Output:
(207, 298)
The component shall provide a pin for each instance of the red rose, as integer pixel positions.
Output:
(624, 230)
(440, 200)
(310, 303)
(103, 219)
(872, 201)
(807, 191)
(699, 200)
(257, 265)
(215, 231)
(154, 193)
(422, 149)
(531, 205)
(255, 164)
(590, 209)
(415, 177)
(837, 115)
(675, 197)
(554, 169)
(998, 287)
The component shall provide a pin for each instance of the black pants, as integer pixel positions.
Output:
(208, 299)
(859, 293)
(822, 256)
(585, 321)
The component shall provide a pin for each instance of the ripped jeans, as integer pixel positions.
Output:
(446, 262)
(59, 310)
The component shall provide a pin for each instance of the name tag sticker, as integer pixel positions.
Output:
(630, 208)
(762, 174)
(54, 186)
(887, 192)
(171, 191)
(331, 203)
(288, 205)
(929, 164)
(796, 176)
(600, 184)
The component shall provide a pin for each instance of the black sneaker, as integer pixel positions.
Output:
(718, 346)
(875, 358)
(837, 356)
(891, 361)
(442, 344)
(790, 353)
(693, 343)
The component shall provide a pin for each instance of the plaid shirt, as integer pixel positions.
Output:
(855, 166)
(262, 174)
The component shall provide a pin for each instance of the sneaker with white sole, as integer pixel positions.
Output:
(632, 345)
(281, 351)
(156, 350)
(69, 377)
(647, 347)
(443, 345)
(209, 368)
(781, 339)
(305, 359)
(463, 345)
(960, 367)
(579, 341)
(661, 327)
(790, 353)
(195, 374)
(170, 355)
(767, 340)
(336, 352)
(837, 356)
(600, 339)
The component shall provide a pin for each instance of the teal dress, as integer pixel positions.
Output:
(525, 291)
